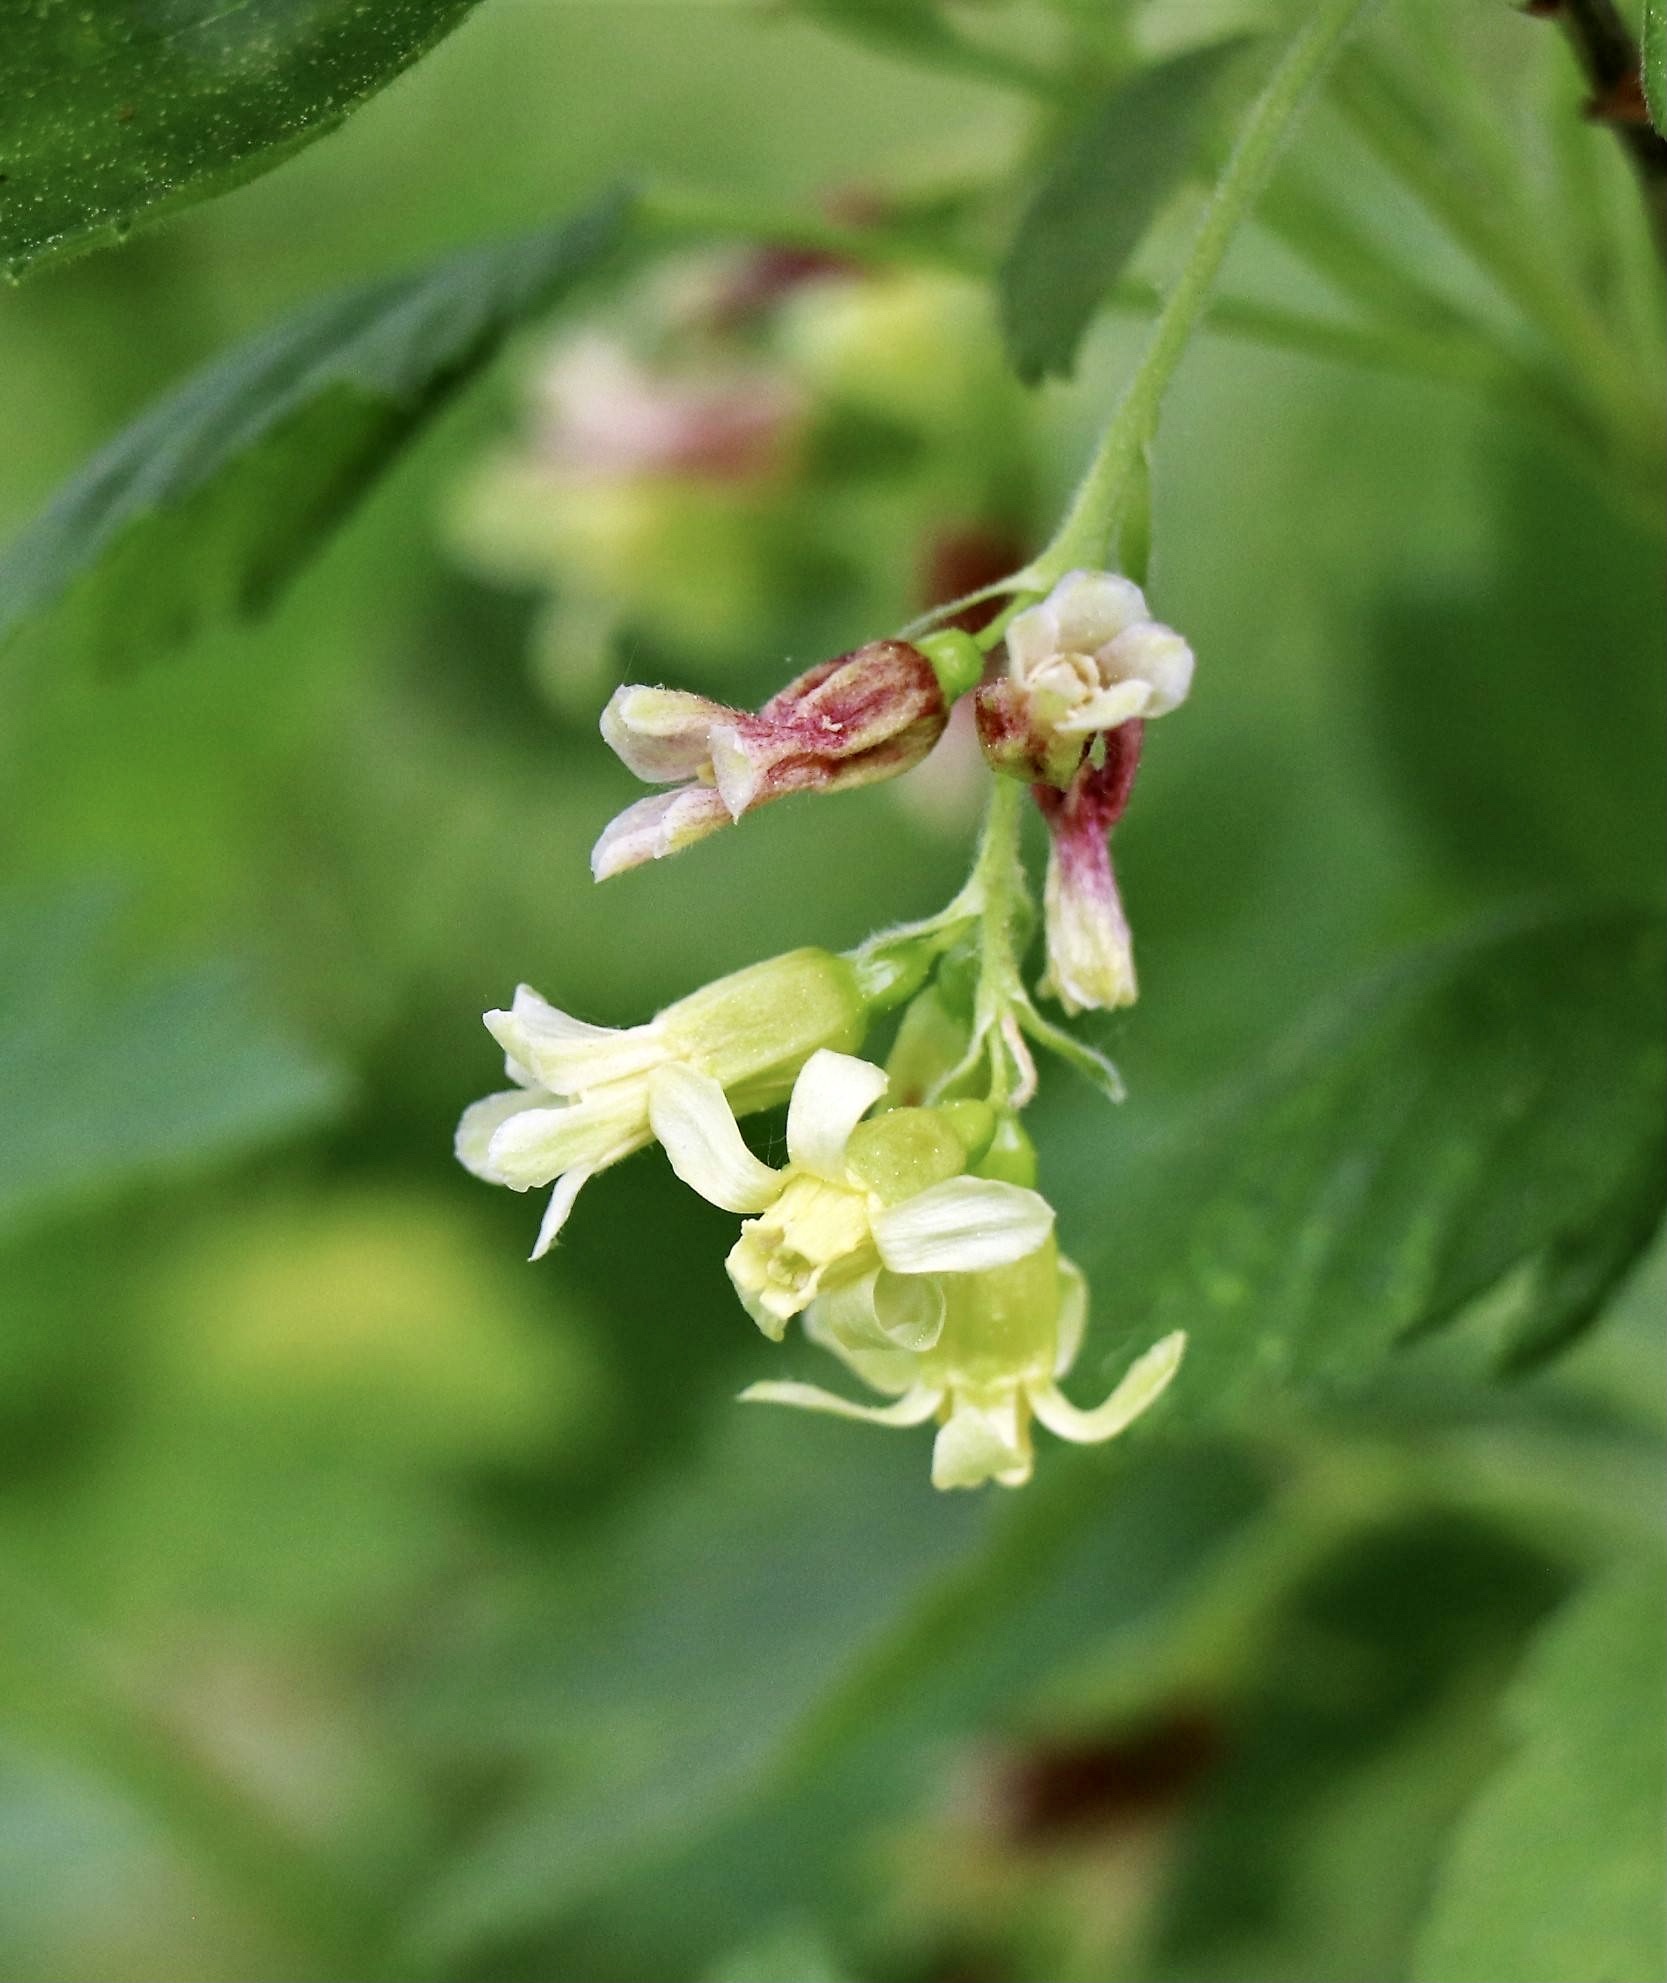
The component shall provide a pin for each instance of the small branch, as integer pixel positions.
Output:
(1609, 56)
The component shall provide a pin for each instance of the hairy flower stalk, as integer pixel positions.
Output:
(851, 721)
(583, 1094)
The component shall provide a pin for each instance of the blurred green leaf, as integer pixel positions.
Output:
(1354, 1740)
(918, 31)
(210, 503)
(108, 1077)
(119, 114)
(1493, 1105)
(1520, 715)
(1101, 193)
(1556, 1871)
(1655, 62)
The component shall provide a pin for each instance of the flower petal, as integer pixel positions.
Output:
(1104, 709)
(981, 1441)
(1091, 608)
(1145, 1381)
(691, 1116)
(664, 823)
(833, 1093)
(889, 1371)
(885, 1311)
(1152, 653)
(961, 1226)
(661, 734)
(533, 1146)
(913, 1408)
(568, 1187)
(1032, 638)
(565, 1054)
(481, 1122)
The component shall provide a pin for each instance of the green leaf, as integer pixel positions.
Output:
(1100, 195)
(1555, 1875)
(108, 1077)
(917, 31)
(213, 500)
(117, 114)
(1654, 66)
(1492, 1106)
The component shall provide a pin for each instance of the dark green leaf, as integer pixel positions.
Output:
(1556, 1872)
(1348, 1751)
(116, 114)
(1495, 1106)
(208, 504)
(1655, 62)
(1100, 195)
(1481, 695)
(107, 1077)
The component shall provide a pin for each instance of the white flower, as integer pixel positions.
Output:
(1004, 1338)
(891, 1196)
(1086, 659)
(582, 1096)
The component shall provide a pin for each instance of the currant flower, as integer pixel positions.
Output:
(582, 1096)
(892, 1196)
(1084, 660)
(1007, 1335)
(860, 717)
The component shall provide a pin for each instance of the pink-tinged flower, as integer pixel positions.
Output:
(1087, 658)
(1090, 954)
(850, 721)
(604, 414)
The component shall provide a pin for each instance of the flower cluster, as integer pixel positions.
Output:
(904, 1231)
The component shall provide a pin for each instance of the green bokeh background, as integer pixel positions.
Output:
(373, 1603)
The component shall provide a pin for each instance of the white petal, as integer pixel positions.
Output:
(1152, 653)
(962, 1226)
(913, 1408)
(663, 823)
(660, 734)
(981, 1442)
(1073, 1314)
(482, 1121)
(567, 1055)
(888, 1371)
(1032, 639)
(1104, 709)
(833, 1093)
(568, 1187)
(691, 1116)
(535, 1145)
(1090, 608)
(1146, 1380)
(885, 1311)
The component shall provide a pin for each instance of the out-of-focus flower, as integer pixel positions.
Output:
(890, 1200)
(850, 721)
(1087, 658)
(1008, 1333)
(1090, 951)
(582, 1098)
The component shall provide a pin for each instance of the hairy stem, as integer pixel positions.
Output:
(1085, 534)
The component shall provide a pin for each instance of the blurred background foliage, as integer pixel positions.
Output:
(372, 1604)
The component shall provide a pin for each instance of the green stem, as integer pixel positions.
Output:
(998, 877)
(1085, 534)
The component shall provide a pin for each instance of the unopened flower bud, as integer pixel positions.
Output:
(858, 718)
(1084, 661)
(1090, 951)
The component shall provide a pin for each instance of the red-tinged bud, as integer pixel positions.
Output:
(858, 718)
(1090, 952)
